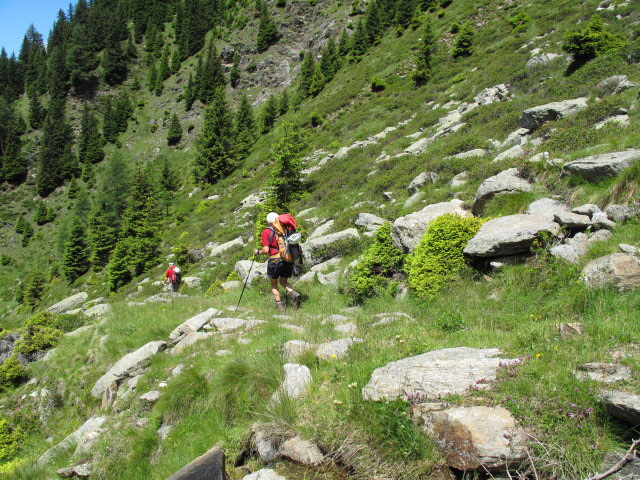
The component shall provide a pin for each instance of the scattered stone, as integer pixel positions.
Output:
(517, 137)
(164, 432)
(568, 330)
(177, 370)
(293, 328)
(460, 179)
(189, 339)
(126, 365)
(79, 331)
(418, 182)
(349, 328)
(625, 248)
(80, 471)
(535, 117)
(69, 303)
(166, 297)
(622, 120)
(324, 266)
(473, 438)
(151, 397)
(573, 249)
(600, 220)
(587, 209)
(329, 279)
(336, 348)
(619, 270)
(295, 348)
(223, 353)
(306, 212)
(599, 167)
(230, 285)
(323, 248)
(600, 236)
(192, 282)
(408, 230)
(514, 152)
(209, 466)
(214, 251)
(622, 405)
(322, 229)
(301, 451)
(621, 213)
(435, 374)
(369, 221)
(603, 372)
(336, 318)
(297, 379)
(252, 200)
(264, 474)
(242, 268)
(414, 199)
(93, 425)
(477, 152)
(307, 277)
(509, 235)
(505, 182)
(98, 311)
(132, 383)
(616, 84)
(195, 323)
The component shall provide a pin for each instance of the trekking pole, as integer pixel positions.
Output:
(245, 281)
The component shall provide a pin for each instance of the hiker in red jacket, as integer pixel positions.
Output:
(171, 276)
(277, 268)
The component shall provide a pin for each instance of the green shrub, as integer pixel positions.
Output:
(12, 372)
(40, 332)
(5, 260)
(463, 46)
(438, 258)
(381, 261)
(316, 119)
(519, 22)
(455, 28)
(378, 85)
(183, 257)
(10, 440)
(591, 41)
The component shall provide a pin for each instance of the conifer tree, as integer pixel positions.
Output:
(245, 128)
(58, 77)
(234, 75)
(175, 61)
(89, 142)
(159, 86)
(283, 104)
(123, 111)
(152, 77)
(20, 225)
(359, 43)
(118, 273)
(73, 190)
(56, 137)
(422, 73)
(163, 68)
(189, 94)
(269, 114)
(88, 175)
(101, 237)
(174, 135)
(109, 122)
(211, 75)
(306, 74)
(113, 190)
(34, 289)
(75, 261)
(463, 46)
(373, 24)
(132, 51)
(41, 215)
(27, 233)
(267, 31)
(344, 46)
(317, 81)
(216, 155)
(80, 61)
(36, 114)
(13, 166)
(404, 12)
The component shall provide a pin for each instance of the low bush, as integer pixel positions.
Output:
(591, 41)
(438, 258)
(10, 440)
(379, 263)
(12, 373)
(378, 85)
(41, 331)
(519, 22)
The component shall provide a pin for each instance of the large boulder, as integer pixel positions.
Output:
(559, 213)
(318, 250)
(573, 249)
(408, 230)
(509, 235)
(251, 269)
(418, 182)
(435, 374)
(209, 466)
(191, 338)
(535, 117)
(128, 364)
(214, 251)
(98, 311)
(599, 167)
(622, 405)
(93, 425)
(473, 438)
(505, 182)
(322, 229)
(69, 303)
(619, 270)
(622, 213)
(194, 323)
(297, 379)
(369, 221)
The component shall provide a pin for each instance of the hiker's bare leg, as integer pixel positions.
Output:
(274, 289)
(287, 286)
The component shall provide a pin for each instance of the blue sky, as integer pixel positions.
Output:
(17, 15)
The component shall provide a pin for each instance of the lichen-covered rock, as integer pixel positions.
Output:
(208, 466)
(69, 303)
(535, 117)
(297, 379)
(195, 323)
(335, 348)
(245, 268)
(505, 182)
(619, 270)
(603, 372)
(323, 248)
(622, 405)
(599, 167)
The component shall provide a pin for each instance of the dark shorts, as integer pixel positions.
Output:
(279, 269)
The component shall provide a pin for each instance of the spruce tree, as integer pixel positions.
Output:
(359, 43)
(152, 77)
(306, 74)
(174, 135)
(373, 24)
(283, 104)
(73, 190)
(122, 111)
(189, 94)
(113, 190)
(101, 239)
(404, 12)
(58, 76)
(216, 155)
(163, 67)
(20, 225)
(36, 113)
(344, 46)
(245, 129)
(234, 75)
(75, 261)
(269, 114)
(132, 51)
(422, 73)
(13, 167)
(89, 142)
(175, 61)
(41, 214)
(109, 121)
(463, 46)
(80, 61)
(267, 31)
(118, 273)
(34, 289)
(56, 137)
(317, 81)
(27, 233)
(211, 75)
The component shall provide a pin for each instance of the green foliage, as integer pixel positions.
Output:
(316, 119)
(34, 289)
(378, 264)
(317, 80)
(10, 439)
(182, 394)
(118, 272)
(39, 333)
(464, 43)
(12, 373)
(269, 114)
(27, 233)
(267, 30)
(234, 75)
(90, 141)
(5, 260)
(591, 41)
(519, 22)
(305, 76)
(75, 261)
(174, 135)
(438, 258)
(55, 159)
(183, 257)
(450, 321)
(378, 85)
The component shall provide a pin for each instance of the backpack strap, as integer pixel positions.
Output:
(271, 235)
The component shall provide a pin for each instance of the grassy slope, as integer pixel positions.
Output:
(550, 293)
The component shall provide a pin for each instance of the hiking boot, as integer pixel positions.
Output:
(294, 298)
(280, 307)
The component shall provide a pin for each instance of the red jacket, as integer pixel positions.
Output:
(170, 274)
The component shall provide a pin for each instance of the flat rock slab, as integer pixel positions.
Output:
(99, 310)
(408, 230)
(321, 249)
(152, 396)
(209, 466)
(220, 249)
(295, 348)
(622, 405)
(264, 474)
(618, 270)
(69, 303)
(603, 372)
(127, 364)
(195, 323)
(473, 438)
(435, 374)
(509, 235)
(505, 182)
(94, 424)
(189, 339)
(535, 117)
(599, 167)
(336, 348)
(224, 325)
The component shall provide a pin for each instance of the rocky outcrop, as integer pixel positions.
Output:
(189, 339)
(542, 59)
(560, 213)
(295, 348)
(322, 229)
(509, 235)
(618, 270)
(195, 323)
(320, 249)
(244, 268)
(93, 425)
(599, 167)
(127, 366)
(505, 182)
(98, 311)
(208, 466)
(616, 84)
(622, 405)
(418, 182)
(535, 117)
(435, 374)
(473, 438)
(78, 471)
(622, 213)
(408, 230)
(69, 303)
(270, 442)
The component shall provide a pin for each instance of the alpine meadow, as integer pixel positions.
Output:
(322, 240)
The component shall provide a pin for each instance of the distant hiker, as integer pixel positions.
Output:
(280, 241)
(172, 275)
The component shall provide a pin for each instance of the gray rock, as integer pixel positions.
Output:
(599, 167)
(619, 270)
(79, 331)
(517, 137)
(297, 379)
(151, 397)
(435, 374)
(194, 323)
(505, 182)
(223, 353)
(477, 152)
(573, 249)
(509, 235)
(166, 297)
(94, 424)
(329, 279)
(126, 365)
(191, 338)
(307, 277)
(587, 209)
(295, 348)
(414, 199)
(572, 221)
(622, 405)
(514, 152)
(349, 328)
(616, 84)
(543, 59)
(209, 466)
(264, 474)
(293, 328)
(69, 303)
(225, 325)
(408, 230)
(460, 179)
(571, 329)
(252, 200)
(535, 117)
(322, 229)
(622, 120)
(98, 311)
(177, 370)
(243, 267)
(603, 372)
(163, 432)
(335, 348)
(79, 471)
(192, 282)
(236, 243)
(418, 182)
(324, 266)
(625, 248)
(369, 221)
(621, 213)
(320, 249)
(301, 451)
(230, 285)
(547, 206)
(600, 236)
(473, 438)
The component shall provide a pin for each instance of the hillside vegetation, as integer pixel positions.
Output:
(449, 226)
